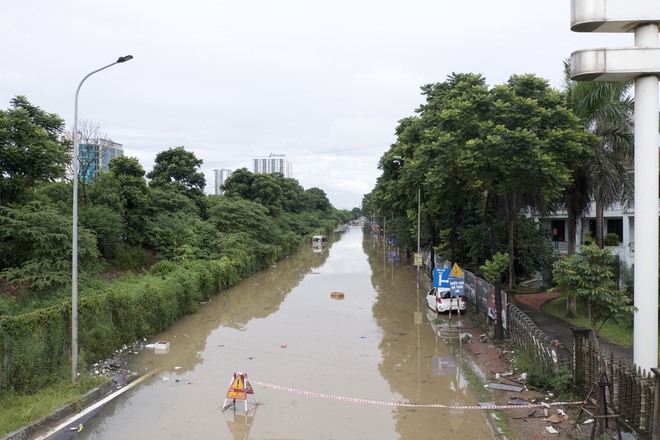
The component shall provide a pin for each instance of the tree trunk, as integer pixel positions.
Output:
(499, 328)
(571, 306)
(572, 225)
(600, 214)
(452, 239)
(434, 240)
(511, 252)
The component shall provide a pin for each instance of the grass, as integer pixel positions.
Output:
(620, 334)
(483, 394)
(21, 410)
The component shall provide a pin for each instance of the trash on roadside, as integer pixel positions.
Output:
(556, 418)
(501, 386)
(551, 430)
(517, 401)
(337, 295)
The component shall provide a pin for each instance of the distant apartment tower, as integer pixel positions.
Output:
(221, 176)
(95, 157)
(271, 164)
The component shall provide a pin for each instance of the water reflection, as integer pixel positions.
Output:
(284, 327)
(424, 369)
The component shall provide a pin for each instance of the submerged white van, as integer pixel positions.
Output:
(319, 239)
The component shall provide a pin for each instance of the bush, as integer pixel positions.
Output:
(611, 239)
(559, 382)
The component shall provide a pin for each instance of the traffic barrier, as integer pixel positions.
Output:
(408, 405)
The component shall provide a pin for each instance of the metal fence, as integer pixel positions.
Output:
(630, 390)
(551, 354)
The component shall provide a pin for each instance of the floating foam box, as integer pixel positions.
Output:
(162, 345)
(337, 295)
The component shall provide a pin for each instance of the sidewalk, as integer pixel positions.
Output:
(557, 328)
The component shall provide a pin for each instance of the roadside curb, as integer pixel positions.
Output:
(92, 396)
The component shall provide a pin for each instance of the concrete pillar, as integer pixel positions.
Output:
(645, 353)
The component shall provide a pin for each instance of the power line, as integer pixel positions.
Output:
(338, 150)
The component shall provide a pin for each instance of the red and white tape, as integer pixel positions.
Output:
(407, 405)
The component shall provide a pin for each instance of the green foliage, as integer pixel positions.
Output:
(19, 410)
(494, 269)
(238, 215)
(35, 246)
(31, 149)
(611, 239)
(559, 382)
(177, 170)
(479, 156)
(124, 190)
(589, 275)
(180, 236)
(204, 244)
(130, 258)
(107, 225)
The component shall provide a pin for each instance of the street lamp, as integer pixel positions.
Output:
(74, 246)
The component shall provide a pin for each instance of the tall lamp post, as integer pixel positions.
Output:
(74, 246)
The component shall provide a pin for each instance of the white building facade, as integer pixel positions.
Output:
(221, 176)
(618, 220)
(271, 164)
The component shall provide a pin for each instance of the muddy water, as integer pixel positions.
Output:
(282, 327)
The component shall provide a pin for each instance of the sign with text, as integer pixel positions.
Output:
(456, 286)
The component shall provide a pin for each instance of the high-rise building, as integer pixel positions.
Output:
(221, 175)
(94, 157)
(271, 164)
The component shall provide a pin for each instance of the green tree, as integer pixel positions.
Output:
(31, 149)
(589, 276)
(317, 200)
(35, 246)
(237, 215)
(267, 191)
(133, 192)
(605, 109)
(239, 184)
(535, 139)
(178, 170)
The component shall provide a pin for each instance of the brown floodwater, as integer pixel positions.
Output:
(286, 329)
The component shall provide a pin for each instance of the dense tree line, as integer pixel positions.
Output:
(128, 218)
(487, 160)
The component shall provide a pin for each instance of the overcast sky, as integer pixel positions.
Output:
(322, 82)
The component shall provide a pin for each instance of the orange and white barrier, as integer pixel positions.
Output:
(239, 388)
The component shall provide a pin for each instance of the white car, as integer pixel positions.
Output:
(440, 300)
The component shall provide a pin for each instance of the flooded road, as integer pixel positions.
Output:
(284, 328)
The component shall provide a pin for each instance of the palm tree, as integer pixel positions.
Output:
(606, 109)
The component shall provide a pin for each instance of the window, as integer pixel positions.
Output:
(558, 230)
(615, 225)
